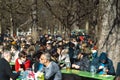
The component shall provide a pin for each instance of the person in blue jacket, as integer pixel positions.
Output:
(105, 65)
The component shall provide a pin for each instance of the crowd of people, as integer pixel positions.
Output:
(50, 54)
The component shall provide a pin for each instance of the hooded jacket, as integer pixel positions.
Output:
(108, 63)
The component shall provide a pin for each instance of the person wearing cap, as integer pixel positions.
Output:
(105, 65)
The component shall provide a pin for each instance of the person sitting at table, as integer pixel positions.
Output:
(105, 65)
(83, 62)
(22, 63)
(95, 59)
(5, 69)
(37, 66)
(63, 57)
(52, 71)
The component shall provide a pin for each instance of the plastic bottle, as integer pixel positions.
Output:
(68, 66)
(92, 70)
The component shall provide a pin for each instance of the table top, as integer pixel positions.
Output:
(88, 74)
(12, 63)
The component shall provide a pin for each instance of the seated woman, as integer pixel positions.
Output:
(63, 57)
(22, 63)
(37, 66)
(105, 65)
(83, 62)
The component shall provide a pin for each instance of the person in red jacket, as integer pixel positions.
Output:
(22, 63)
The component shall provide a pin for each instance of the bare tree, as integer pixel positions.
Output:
(34, 19)
(109, 40)
(71, 12)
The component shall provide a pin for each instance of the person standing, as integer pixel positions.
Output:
(5, 69)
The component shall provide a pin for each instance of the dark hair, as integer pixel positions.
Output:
(22, 54)
(37, 54)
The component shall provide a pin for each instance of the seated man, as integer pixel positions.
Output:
(52, 71)
(105, 65)
(5, 69)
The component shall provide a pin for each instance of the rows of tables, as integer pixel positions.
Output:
(84, 74)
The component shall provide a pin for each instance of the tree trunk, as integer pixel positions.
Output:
(109, 40)
(87, 27)
(0, 23)
(34, 20)
(11, 24)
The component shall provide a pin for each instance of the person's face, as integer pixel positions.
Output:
(60, 43)
(23, 59)
(9, 57)
(103, 61)
(48, 47)
(42, 59)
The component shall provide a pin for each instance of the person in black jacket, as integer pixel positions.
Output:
(5, 69)
(83, 62)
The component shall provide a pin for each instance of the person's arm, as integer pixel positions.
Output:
(111, 70)
(50, 72)
(17, 65)
(85, 64)
(27, 64)
(75, 66)
(10, 73)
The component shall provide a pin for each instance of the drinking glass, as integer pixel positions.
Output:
(68, 66)
(104, 69)
(93, 70)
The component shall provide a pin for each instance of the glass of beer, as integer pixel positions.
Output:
(68, 66)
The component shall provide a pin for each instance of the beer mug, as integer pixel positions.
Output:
(68, 66)
(40, 76)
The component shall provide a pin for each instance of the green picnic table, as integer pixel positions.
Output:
(85, 74)
(12, 63)
(88, 74)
